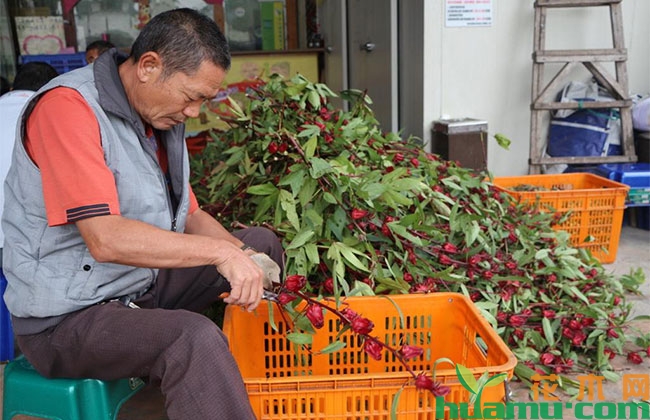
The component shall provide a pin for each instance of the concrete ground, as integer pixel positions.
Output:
(633, 252)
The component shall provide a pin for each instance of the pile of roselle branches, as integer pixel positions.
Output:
(365, 212)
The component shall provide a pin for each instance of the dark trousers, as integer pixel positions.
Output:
(165, 340)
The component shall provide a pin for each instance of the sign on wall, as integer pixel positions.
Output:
(464, 13)
(40, 34)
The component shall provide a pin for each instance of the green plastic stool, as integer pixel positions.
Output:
(27, 392)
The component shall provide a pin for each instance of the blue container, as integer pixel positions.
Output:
(636, 175)
(6, 331)
(63, 63)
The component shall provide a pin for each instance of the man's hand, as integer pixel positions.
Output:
(246, 278)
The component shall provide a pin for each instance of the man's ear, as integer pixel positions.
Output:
(149, 66)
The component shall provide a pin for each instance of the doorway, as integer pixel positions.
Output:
(376, 46)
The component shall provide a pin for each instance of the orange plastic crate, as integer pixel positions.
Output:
(596, 205)
(288, 383)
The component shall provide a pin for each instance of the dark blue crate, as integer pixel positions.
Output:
(6, 331)
(636, 175)
(61, 62)
(592, 169)
(643, 218)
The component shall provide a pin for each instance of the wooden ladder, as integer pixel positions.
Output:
(543, 97)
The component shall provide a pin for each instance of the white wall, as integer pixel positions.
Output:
(486, 73)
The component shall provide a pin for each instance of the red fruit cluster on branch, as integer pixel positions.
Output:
(315, 315)
(295, 282)
(362, 325)
(411, 352)
(422, 381)
(372, 346)
(358, 214)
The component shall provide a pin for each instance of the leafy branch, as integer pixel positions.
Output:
(354, 206)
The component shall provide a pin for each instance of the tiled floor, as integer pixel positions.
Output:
(634, 252)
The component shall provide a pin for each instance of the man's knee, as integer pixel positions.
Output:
(199, 332)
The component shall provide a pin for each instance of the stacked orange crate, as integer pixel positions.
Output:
(595, 205)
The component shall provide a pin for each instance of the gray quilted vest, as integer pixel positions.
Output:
(49, 270)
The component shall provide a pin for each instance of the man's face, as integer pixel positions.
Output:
(164, 103)
(91, 55)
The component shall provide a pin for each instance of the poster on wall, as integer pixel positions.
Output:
(40, 34)
(468, 13)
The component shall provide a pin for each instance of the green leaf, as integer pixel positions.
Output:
(262, 189)
(348, 254)
(400, 230)
(271, 318)
(333, 347)
(452, 183)
(311, 250)
(391, 196)
(502, 141)
(466, 378)
(319, 167)
(399, 310)
(309, 131)
(334, 255)
(300, 239)
(295, 89)
(307, 191)
(611, 375)
(524, 373)
(579, 294)
(310, 147)
(295, 179)
(548, 332)
(235, 108)
(395, 404)
(601, 360)
(373, 190)
(361, 289)
(314, 99)
(408, 184)
(313, 219)
(300, 338)
(485, 305)
(541, 254)
(288, 204)
(437, 362)
(329, 198)
(265, 205)
(472, 233)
